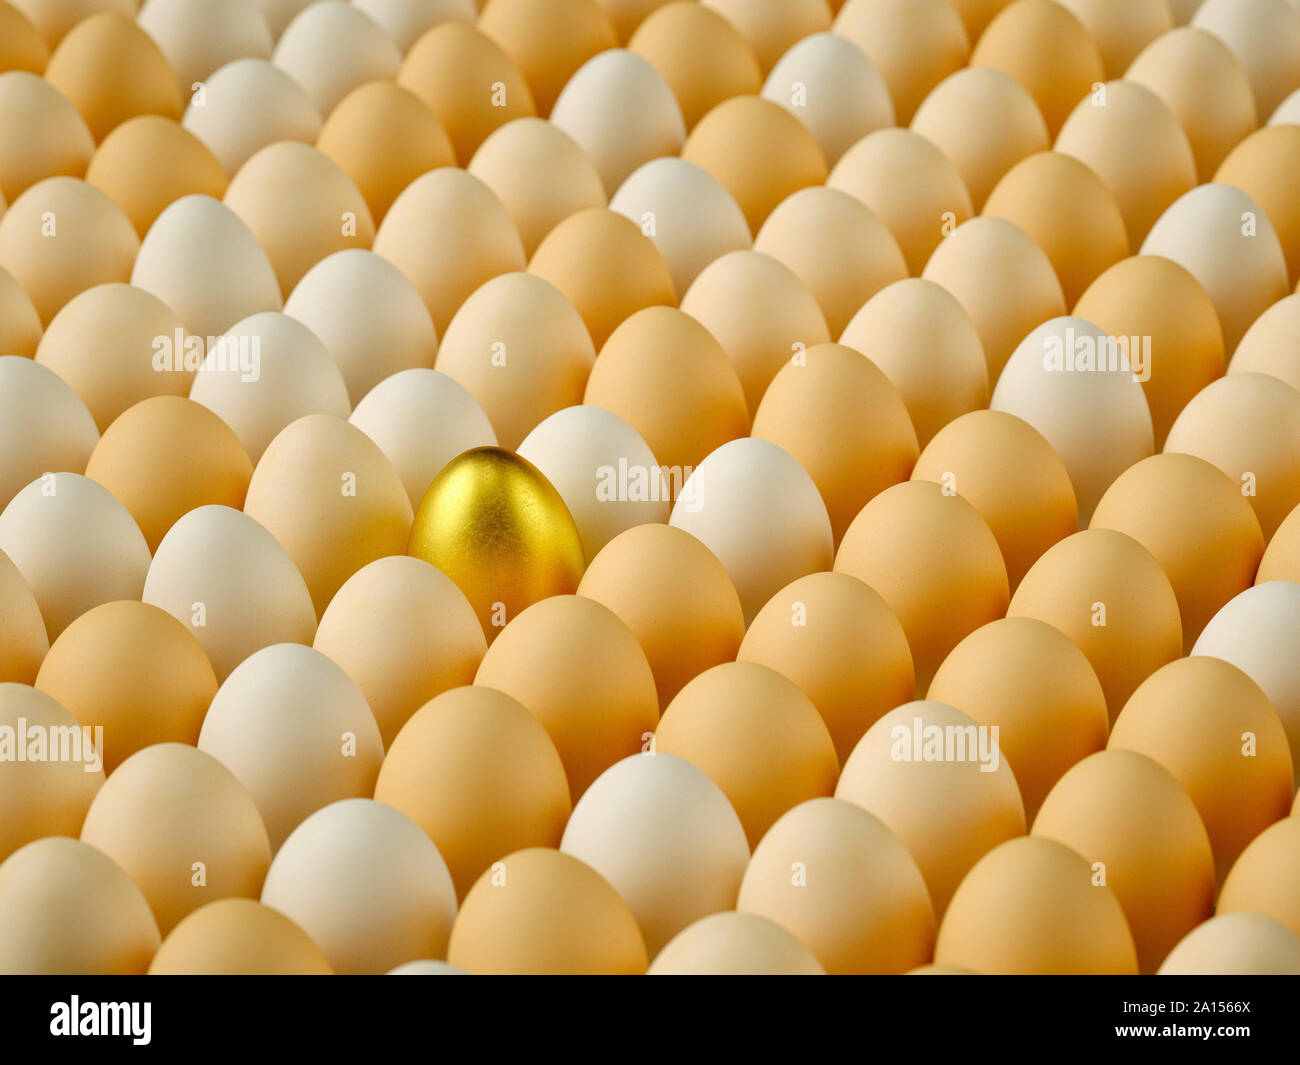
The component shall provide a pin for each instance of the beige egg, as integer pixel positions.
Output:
(757, 736)
(1008, 472)
(296, 731)
(182, 827)
(837, 639)
(521, 350)
(468, 82)
(761, 313)
(1045, 48)
(939, 798)
(1265, 877)
(1105, 576)
(698, 855)
(674, 595)
(63, 236)
(247, 105)
(735, 944)
(985, 122)
(827, 83)
(1236, 944)
(1033, 907)
(621, 113)
(626, 15)
(105, 344)
(1003, 280)
(478, 773)
(1260, 453)
(41, 134)
(1264, 35)
(771, 27)
(1266, 167)
(134, 671)
(1121, 28)
(332, 48)
(1287, 111)
(1199, 717)
(758, 151)
(1266, 346)
(700, 54)
(835, 246)
(279, 13)
(75, 545)
(1205, 86)
(664, 374)
(23, 641)
(43, 796)
(406, 21)
(404, 633)
(370, 318)
(238, 937)
(540, 912)
(540, 174)
(24, 46)
(421, 420)
(66, 908)
(384, 137)
(20, 325)
(44, 426)
(448, 233)
(211, 292)
(54, 18)
(199, 36)
(231, 584)
(264, 373)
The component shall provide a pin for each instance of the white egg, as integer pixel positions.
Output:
(44, 425)
(198, 36)
(330, 48)
(406, 21)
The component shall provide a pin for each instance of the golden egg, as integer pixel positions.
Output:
(23, 642)
(476, 771)
(770, 27)
(404, 633)
(540, 912)
(1212, 727)
(331, 49)
(1265, 38)
(23, 46)
(1266, 346)
(1266, 167)
(1266, 878)
(1107, 593)
(42, 135)
(44, 425)
(1236, 944)
(1121, 30)
(757, 736)
(133, 670)
(238, 937)
(735, 944)
(20, 326)
(497, 527)
(199, 36)
(1031, 907)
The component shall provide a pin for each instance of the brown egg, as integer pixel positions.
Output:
(1265, 38)
(605, 266)
(330, 496)
(105, 343)
(1008, 472)
(761, 314)
(1248, 425)
(700, 54)
(539, 174)
(840, 643)
(861, 440)
(43, 797)
(20, 326)
(1266, 878)
(479, 774)
(67, 909)
(521, 350)
(1266, 167)
(133, 670)
(1121, 29)
(914, 44)
(1045, 48)
(840, 880)
(626, 15)
(735, 944)
(1030, 681)
(758, 151)
(1003, 280)
(23, 642)
(977, 14)
(920, 547)
(42, 135)
(1151, 296)
(238, 937)
(448, 234)
(1195, 523)
(383, 137)
(770, 27)
(1266, 347)
(1032, 907)
(538, 912)
(21, 45)
(582, 674)
(54, 18)
(674, 595)
(468, 82)
(1068, 211)
(1107, 593)
(1236, 944)
(1212, 727)
(404, 633)
(199, 36)
(663, 373)
(757, 736)
(333, 48)
(985, 122)
(111, 70)
(1281, 561)
(61, 237)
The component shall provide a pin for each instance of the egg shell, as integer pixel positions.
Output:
(23, 641)
(735, 944)
(771, 26)
(42, 135)
(238, 937)
(1236, 944)
(44, 426)
(332, 48)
